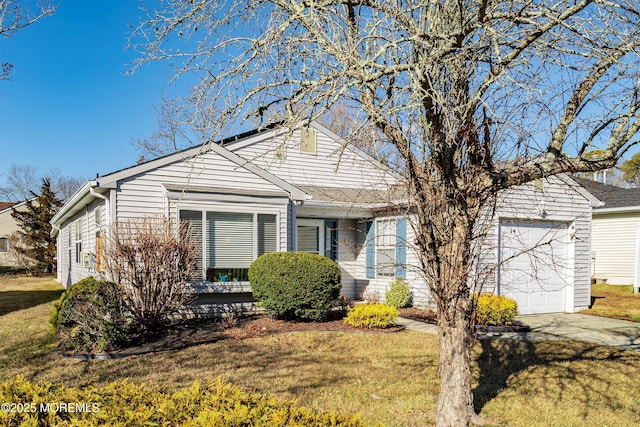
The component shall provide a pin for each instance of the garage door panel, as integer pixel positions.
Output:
(534, 264)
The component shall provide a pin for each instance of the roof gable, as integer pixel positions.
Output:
(333, 162)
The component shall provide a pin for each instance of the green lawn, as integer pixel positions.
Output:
(617, 301)
(390, 378)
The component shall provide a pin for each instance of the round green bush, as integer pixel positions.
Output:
(295, 285)
(90, 315)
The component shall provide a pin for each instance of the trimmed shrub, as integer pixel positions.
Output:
(372, 316)
(295, 285)
(495, 310)
(122, 403)
(89, 315)
(399, 293)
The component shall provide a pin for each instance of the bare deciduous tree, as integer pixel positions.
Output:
(24, 180)
(151, 262)
(457, 88)
(15, 15)
(179, 125)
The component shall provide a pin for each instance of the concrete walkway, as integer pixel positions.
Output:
(574, 326)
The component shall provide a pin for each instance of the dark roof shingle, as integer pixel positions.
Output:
(6, 205)
(612, 196)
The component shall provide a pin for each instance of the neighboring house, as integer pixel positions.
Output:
(8, 226)
(615, 237)
(270, 190)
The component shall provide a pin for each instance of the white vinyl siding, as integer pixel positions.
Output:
(333, 164)
(614, 246)
(78, 235)
(145, 194)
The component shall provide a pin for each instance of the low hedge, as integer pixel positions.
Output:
(372, 316)
(495, 310)
(295, 285)
(122, 403)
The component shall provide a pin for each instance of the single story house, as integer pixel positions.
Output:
(615, 234)
(306, 190)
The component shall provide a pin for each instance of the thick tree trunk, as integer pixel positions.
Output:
(455, 403)
(446, 251)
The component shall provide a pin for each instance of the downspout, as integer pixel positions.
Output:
(107, 206)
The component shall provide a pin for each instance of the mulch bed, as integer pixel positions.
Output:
(204, 331)
(421, 315)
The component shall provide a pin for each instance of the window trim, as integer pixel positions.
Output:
(6, 245)
(78, 240)
(385, 245)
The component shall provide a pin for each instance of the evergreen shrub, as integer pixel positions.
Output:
(90, 316)
(295, 285)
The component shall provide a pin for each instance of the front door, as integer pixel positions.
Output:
(310, 236)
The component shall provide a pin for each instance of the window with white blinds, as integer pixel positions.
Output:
(194, 221)
(232, 240)
(267, 234)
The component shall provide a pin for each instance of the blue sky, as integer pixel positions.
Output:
(69, 104)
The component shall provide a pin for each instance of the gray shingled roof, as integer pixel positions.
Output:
(612, 196)
(353, 195)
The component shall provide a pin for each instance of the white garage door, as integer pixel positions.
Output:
(534, 265)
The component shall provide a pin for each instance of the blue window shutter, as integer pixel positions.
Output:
(401, 248)
(370, 249)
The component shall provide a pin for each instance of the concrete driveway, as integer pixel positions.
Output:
(562, 326)
(583, 327)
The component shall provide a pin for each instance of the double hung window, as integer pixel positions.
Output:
(78, 241)
(386, 247)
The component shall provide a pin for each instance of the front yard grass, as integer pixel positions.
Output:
(389, 377)
(616, 301)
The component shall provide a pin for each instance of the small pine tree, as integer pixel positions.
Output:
(36, 228)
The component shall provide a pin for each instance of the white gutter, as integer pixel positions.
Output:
(107, 205)
(621, 209)
(77, 196)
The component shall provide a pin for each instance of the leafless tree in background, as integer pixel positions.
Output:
(21, 180)
(24, 180)
(151, 262)
(15, 15)
(457, 88)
